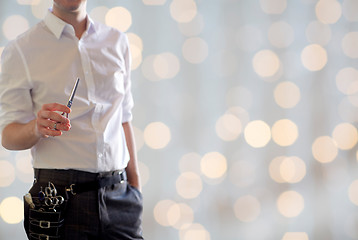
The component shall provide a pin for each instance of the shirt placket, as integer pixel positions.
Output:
(98, 108)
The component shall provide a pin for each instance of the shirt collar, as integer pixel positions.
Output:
(57, 26)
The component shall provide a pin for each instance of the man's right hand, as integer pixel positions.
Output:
(49, 122)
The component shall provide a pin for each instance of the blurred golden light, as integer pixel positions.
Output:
(292, 169)
(157, 135)
(284, 132)
(240, 113)
(281, 34)
(350, 9)
(189, 185)
(11, 210)
(290, 204)
(148, 68)
(275, 169)
(295, 236)
(136, 57)
(192, 28)
(24, 166)
(328, 11)
(213, 165)
(346, 79)
(287, 94)
(135, 40)
(249, 38)
(266, 63)
(194, 231)
(154, 2)
(166, 65)
(119, 18)
(273, 6)
(257, 133)
(40, 8)
(173, 214)
(99, 14)
(11, 32)
(318, 32)
(353, 192)
(349, 44)
(314, 57)
(195, 50)
(228, 127)
(287, 169)
(242, 173)
(186, 216)
(324, 149)
(165, 212)
(7, 173)
(345, 135)
(183, 11)
(247, 208)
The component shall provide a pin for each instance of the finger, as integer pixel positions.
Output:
(51, 128)
(56, 107)
(51, 132)
(53, 116)
(46, 131)
(61, 127)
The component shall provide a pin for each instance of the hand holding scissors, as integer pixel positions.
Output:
(51, 123)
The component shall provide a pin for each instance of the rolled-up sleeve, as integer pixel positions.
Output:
(15, 88)
(128, 98)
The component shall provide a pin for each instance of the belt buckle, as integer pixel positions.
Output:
(44, 237)
(45, 224)
(120, 173)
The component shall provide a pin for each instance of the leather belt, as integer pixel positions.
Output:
(95, 185)
(107, 179)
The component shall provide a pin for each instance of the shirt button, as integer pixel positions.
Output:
(100, 155)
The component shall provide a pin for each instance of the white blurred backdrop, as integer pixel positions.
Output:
(245, 116)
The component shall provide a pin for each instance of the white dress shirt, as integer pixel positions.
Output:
(41, 66)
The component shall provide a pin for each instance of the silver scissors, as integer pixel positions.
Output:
(51, 199)
(72, 95)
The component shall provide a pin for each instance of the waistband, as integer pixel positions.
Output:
(70, 176)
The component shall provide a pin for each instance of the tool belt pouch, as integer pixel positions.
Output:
(44, 221)
(45, 224)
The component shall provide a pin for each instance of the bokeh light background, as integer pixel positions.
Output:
(245, 118)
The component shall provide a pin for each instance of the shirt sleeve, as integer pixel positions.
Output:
(128, 98)
(15, 90)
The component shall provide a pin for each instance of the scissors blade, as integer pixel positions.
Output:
(72, 95)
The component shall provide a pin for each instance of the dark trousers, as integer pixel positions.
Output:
(110, 213)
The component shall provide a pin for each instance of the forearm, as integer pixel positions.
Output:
(18, 136)
(132, 167)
